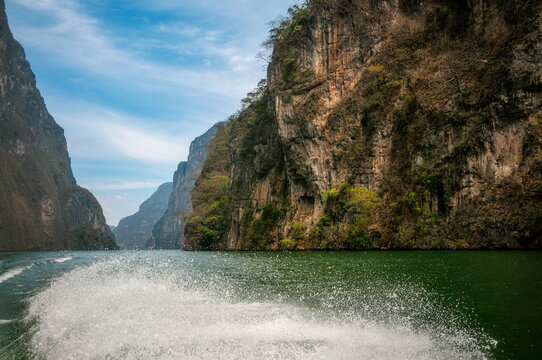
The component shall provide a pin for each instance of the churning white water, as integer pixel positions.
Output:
(13, 272)
(63, 259)
(120, 310)
(18, 270)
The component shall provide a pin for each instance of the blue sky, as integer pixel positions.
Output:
(132, 82)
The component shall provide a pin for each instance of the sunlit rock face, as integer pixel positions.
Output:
(391, 124)
(168, 231)
(41, 206)
(134, 231)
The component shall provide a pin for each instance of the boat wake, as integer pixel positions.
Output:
(11, 273)
(121, 310)
(63, 259)
(14, 272)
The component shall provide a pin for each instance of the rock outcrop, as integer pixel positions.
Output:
(168, 232)
(41, 206)
(386, 124)
(134, 231)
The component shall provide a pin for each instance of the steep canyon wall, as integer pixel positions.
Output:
(385, 124)
(41, 206)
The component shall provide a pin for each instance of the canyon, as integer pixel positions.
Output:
(384, 125)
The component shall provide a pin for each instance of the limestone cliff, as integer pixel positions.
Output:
(168, 231)
(41, 206)
(134, 231)
(387, 124)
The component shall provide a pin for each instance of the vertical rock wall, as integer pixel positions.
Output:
(168, 232)
(393, 124)
(41, 206)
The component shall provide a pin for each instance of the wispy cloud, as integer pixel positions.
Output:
(142, 144)
(132, 82)
(117, 204)
(179, 29)
(77, 40)
(101, 133)
(128, 185)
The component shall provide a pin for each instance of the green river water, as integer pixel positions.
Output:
(271, 305)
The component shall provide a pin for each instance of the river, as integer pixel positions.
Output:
(271, 305)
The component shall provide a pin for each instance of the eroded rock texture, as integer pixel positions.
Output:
(388, 124)
(168, 232)
(41, 206)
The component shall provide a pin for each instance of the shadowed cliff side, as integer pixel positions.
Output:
(168, 232)
(389, 124)
(134, 231)
(41, 206)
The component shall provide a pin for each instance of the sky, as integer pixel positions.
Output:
(132, 82)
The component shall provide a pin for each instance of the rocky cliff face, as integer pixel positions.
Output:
(168, 232)
(41, 206)
(388, 124)
(134, 231)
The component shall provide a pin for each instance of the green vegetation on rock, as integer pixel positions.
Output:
(391, 125)
(348, 215)
(207, 223)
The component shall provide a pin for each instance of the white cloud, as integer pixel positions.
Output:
(116, 207)
(179, 29)
(77, 40)
(143, 144)
(127, 185)
(97, 133)
(190, 67)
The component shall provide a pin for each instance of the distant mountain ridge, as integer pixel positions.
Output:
(41, 206)
(168, 232)
(135, 230)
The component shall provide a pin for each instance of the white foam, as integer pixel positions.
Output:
(6, 321)
(109, 310)
(13, 272)
(16, 271)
